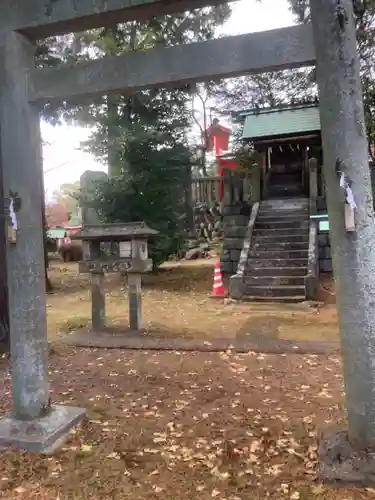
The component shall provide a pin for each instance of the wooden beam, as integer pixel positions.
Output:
(223, 58)
(43, 18)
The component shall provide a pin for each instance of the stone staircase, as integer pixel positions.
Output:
(277, 260)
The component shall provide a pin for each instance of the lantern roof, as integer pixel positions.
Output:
(115, 232)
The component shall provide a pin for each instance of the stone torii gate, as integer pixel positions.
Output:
(23, 89)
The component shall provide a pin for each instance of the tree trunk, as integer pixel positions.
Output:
(345, 149)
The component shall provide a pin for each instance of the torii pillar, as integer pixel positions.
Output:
(348, 456)
(34, 424)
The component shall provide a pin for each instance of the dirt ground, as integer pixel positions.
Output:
(184, 426)
(177, 426)
(177, 302)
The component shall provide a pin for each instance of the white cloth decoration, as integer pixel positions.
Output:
(342, 180)
(12, 214)
(348, 191)
(350, 198)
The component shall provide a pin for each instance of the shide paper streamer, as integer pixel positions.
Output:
(344, 183)
(12, 214)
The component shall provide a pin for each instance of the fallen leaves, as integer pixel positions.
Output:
(295, 496)
(191, 426)
(20, 490)
(159, 438)
(86, 448)
(317, 490)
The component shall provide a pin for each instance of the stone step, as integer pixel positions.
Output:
(284, 299)
(283, 213)
(284, 190)
(280, 219)
(284, 210)
(274, 280)
(285, 204)
(282, 224)
(268, 237)
(279, 232)
(278, 254)
(275, 291)
(275, 271)
(275, 245)
(258, 262)
(292, 182)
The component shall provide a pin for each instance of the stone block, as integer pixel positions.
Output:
(327, 252)
(227, 268)
(235, 231)
(324, 239)
(325, 265)
(236, 210)
(226, 255)
(321, 205)
(233, 243)
(233, 220)
(235, 255)
(243, 209)
(236, 287)
(324, 252)
(226, 210)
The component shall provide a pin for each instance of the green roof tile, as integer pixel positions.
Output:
(272, 123)
(56, 233)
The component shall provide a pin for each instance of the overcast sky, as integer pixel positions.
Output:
(64, 162)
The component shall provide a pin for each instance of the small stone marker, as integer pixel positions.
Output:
(135, 302)
(88, 182)
(115, 248)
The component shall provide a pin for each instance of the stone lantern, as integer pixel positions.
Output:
(115, 248)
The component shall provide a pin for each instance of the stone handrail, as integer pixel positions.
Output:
(236, 186)
(313, 185)
(312, 276)
(236, 284)
(206, 189)
(266, 178)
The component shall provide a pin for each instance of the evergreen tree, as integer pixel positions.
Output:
(272, 89)
(364, 11)
(152, 189)
(143, 136)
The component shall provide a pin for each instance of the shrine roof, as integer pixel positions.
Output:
(56, 232)
(276, 122)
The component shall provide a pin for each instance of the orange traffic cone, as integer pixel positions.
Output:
(218, 288)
